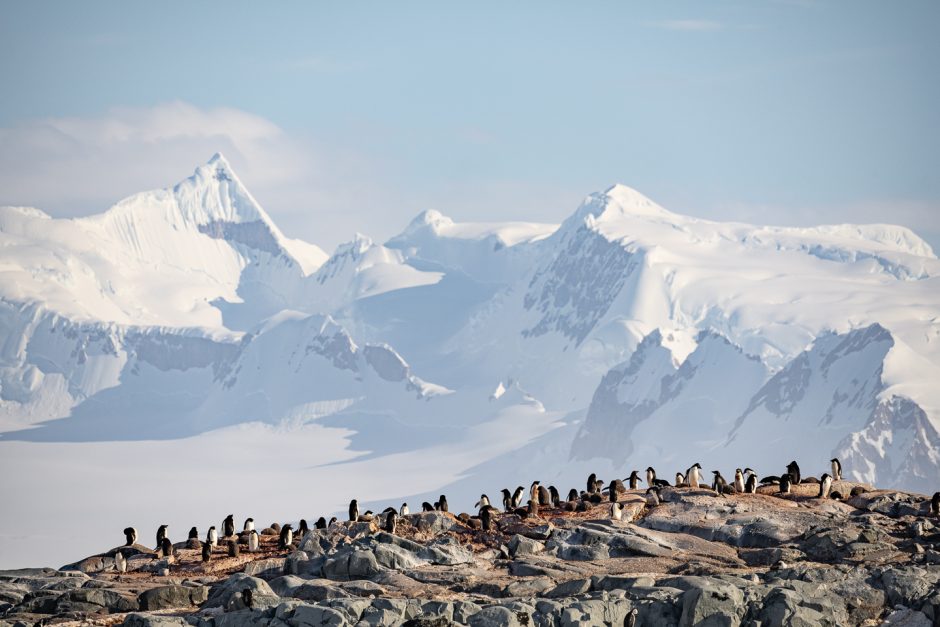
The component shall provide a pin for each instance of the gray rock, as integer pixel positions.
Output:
(267, 568)
(172, 596)
(221, 595)
(113, 602)
(153, 620)
(285, 585)
(317, 616)
(496, 616)
(569, 588)
(521, 545)
(714, 603)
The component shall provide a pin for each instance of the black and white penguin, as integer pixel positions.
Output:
(232, 548)
(331, 521)
(441, 504)
(650, 476)
(836, 469)
(534, 491)
(302, 527)
(784, 484)
(769, 480)
(554, 497)
(130, 535)
(750, 486)
(427, 507)
(935, 505)
(616, 511)
(738, 480)
(206, 551)
(193, 534)
(486, 518)
(572, 495)
(793, 469)
(693, 476)
(212, 538)
(680, 480)
(517, 496)
(161, 535)
(166, 548)
(120, 562)
(718, 483)
(634, 479)
(228, 526)
(857, 490)
(615, 490)
(354, 511)
(507, 500)
(249, 524)
(533, 510)
(630, 619)
(320, 523)
(825, 486)
(403, 510)
(286, 538)
(254, 541)
(484, 501)
(652, 496)
(545, 497)
(391, 522)
(592, 483)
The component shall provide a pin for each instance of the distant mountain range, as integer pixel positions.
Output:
(646, 336)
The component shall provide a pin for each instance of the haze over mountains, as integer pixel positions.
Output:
(179, 344)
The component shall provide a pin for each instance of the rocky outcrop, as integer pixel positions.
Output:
(695, 559)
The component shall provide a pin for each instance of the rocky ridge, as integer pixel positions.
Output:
(697, 558)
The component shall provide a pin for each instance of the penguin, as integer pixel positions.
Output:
(228, 526)
(693, 476)
(391, 522)
(545, 497)
(825, 486)
(161, 535)
(320, 523)
(836, 469)
(616, 511)
(302, 528)
(630, 619)
(680, 479)
(486, 518)
(784, 484)
(166, 547)
(794, 471)
(232, 548)
(276, 527)
(246, 598)
(572, 495)
(286, 538)
(330, 523)
(750, 486)
(517, 496)
(652, 496)
(650, 476)
(554, 496)
(857, 490)
(249, 524)
(212, 538)
(835, 495)
(354, 511)
(403, 510)
(427, 507)
(254, 541)
(130, 535)
(633, 479)
(616, 488)
(193, 534)
(718, 483)
(442, 503)
(935, 505)
(206, 552)
(507, 499)
(769, 479)
(483, 502)
(533, 511)
(738, 480)
(591, 483)
(120, 562)
(534, 491)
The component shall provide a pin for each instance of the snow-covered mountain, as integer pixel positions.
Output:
(624, 337)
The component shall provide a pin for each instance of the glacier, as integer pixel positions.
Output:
(179, 343)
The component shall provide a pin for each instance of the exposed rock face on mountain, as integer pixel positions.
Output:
(696, 558)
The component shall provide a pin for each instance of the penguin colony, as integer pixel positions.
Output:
(745, 482)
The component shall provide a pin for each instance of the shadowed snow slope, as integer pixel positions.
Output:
(628, 335)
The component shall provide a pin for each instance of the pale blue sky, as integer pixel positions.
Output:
(345, 117)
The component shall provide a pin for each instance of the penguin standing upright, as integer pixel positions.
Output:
(935, 504)
(738, 480)
(354, 511)
(206, 551)
(249, 524)
(517, 496)
(320, 523)
(591, 483)
(793, 469)
(507, 499)
(391, 522)
(616, 511)
(693, 477)
(750, 486)
(130, 535)
(120, 562)
(484, 501)
(228, 526)
(403, 510)
(554, 497)
(836, 469)
(286, 538)
(825, 485)
(161, 535)
(486, 518)
(166, 548)
(442, 503)
(784, 484)
(650, 477)
(193, 534)
(302, 527)
(634, 478)
(212, 537)
(254, 541)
